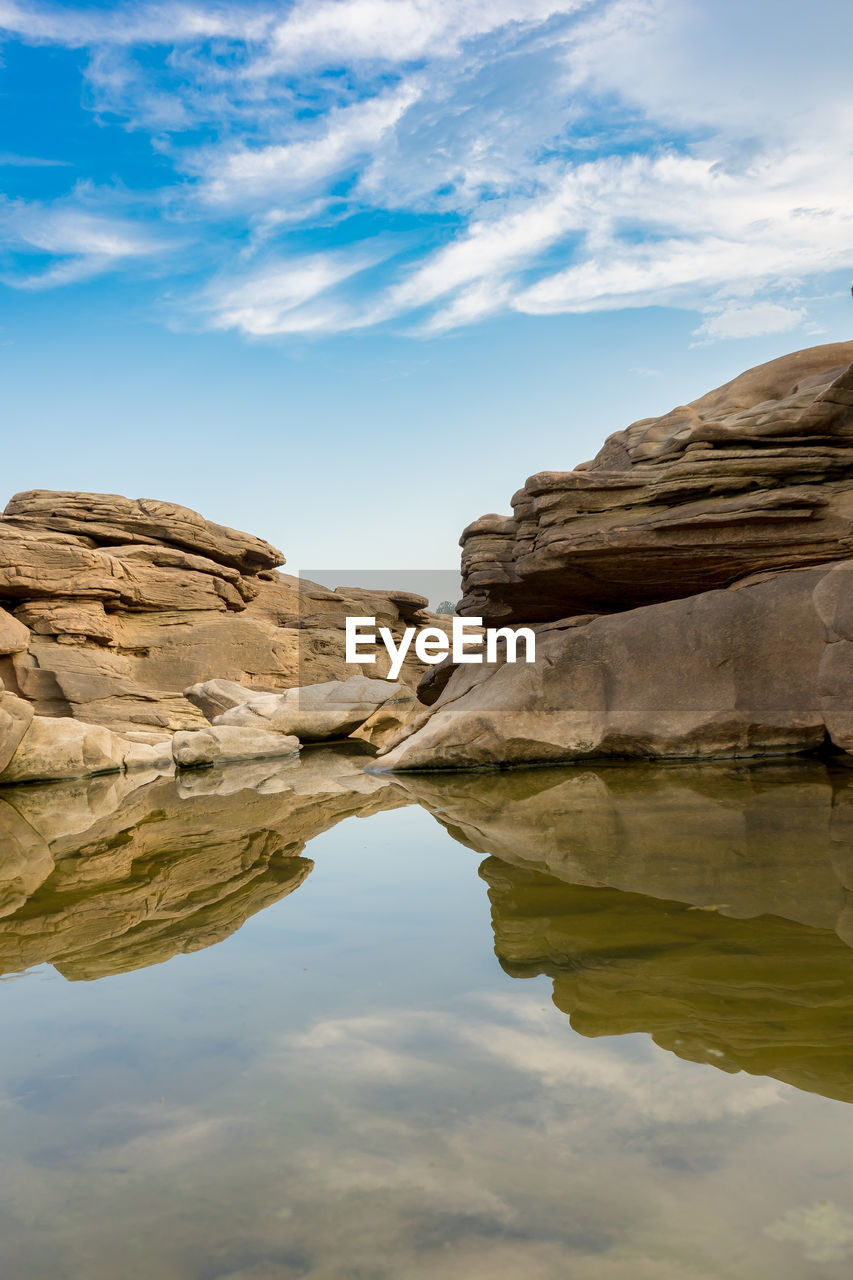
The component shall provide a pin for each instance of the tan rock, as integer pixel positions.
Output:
(108, 518)
(58, 747)
(754, 476)
(725, 673)
(212, 697)
(14, 635)
(15, 719)
(315, 712)
(218, 743)
(387, 720)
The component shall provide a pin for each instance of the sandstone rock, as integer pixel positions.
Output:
(14, 636)
(387, 720)
(315, 712)
(218, 743)
(15, 719)
(63, 748)
(108, 518)
(739, 672)
(127, 603)
(212, 697)
(753, 476)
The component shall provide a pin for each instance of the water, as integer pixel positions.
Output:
(284, 1021)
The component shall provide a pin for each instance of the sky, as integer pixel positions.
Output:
(345, 272)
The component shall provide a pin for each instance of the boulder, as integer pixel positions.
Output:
(755, 476)
(14, 636)
(315, 712)
(757, 669)
(222, 742)
(212, 697)
(109, 518)
(60, 747)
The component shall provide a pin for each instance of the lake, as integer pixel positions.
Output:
(290, 1019)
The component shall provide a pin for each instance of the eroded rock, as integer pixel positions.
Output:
(316, 712)
(751, 477)
(219, 743)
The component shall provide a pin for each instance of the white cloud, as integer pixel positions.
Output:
(272, 300)
(551, 156)
(749, 322)
(81, 243)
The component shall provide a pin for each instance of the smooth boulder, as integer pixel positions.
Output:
(217, 744)
(739, 672)
(314, 712)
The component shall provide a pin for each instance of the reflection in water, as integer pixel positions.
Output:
(350, 1086)
(708, 906)
(105, 875)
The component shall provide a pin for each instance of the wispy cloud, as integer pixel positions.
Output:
(537, 156)
(76, 242)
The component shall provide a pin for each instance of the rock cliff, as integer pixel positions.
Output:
(756, 475)
(690, 588)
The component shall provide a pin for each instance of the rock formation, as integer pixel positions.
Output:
(753, 476)
(315, 712)
(690, 588)
(111, 607)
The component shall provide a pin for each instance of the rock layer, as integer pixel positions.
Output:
(757, 475)
(110, 607)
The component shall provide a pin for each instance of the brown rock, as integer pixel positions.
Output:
(108, 518)
(127, 603)
(753, 476)
(740, 672)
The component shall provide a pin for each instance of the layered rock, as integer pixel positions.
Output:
(754, 476)
(691, 589)
(111, 607)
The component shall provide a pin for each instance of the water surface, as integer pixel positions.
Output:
(288, 1020)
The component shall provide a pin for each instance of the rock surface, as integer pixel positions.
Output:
(110, 607)
(217, 744)
(59, 747)
(316, 712)
(754, 476)
(758, 669)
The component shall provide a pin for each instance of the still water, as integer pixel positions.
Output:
(288, 1020)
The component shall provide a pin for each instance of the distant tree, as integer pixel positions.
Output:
(446, 607)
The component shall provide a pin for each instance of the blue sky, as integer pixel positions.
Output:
(345, 272)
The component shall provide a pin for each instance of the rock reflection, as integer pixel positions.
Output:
(709, 907)
(106, 875)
